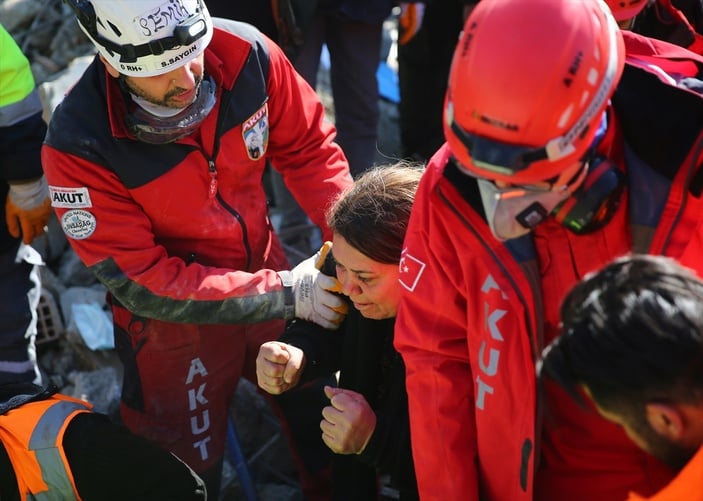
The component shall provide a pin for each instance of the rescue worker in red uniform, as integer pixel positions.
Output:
(155, 161)
(632, 340)
(556, 162)
(53, 446)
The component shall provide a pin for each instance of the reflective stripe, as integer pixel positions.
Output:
(18, 315)
(15, 72)
(43, 443)
(11, 114)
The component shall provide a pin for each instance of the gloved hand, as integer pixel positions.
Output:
(409, 20)
(314, 300)
(27, 209)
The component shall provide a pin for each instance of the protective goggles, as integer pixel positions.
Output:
(153, 129)
(185, 33)
(495, 156)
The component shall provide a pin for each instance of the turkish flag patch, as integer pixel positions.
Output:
(410, 270)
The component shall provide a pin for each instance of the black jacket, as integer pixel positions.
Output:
(362, 350)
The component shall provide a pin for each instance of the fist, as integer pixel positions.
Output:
(278, 367)
(348, 422)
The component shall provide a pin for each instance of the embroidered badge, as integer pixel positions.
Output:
(78, 224)
(70, 198)
(255, 131)
(410, 270)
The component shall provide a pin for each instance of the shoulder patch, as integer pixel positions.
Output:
(410, 270)
(255, 131)
(78, 224)
(70, 198)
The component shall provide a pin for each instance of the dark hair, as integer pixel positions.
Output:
(372, 215)
(632, 333)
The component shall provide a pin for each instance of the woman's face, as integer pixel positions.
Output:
(372, 286)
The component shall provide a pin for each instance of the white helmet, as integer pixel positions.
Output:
(143, 38)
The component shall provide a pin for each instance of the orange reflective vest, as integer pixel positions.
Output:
(687, 485)
(33, 436)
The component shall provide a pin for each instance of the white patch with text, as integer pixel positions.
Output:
(78, 224)
(70, 198)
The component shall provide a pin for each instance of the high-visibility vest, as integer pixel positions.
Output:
(18, 95)
(33, 436)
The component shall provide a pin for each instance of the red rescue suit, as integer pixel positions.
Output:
(180, 235)
(477, 312)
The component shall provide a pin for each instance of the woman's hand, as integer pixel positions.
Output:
(278, 367)
(348, 422)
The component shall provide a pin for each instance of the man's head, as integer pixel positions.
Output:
(156, 50)
(144, 38)
(528, 87)
(632, 339)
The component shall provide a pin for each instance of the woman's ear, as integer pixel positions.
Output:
(112, 71)
(666, 420)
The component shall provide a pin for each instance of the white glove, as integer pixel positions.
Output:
(311, 289)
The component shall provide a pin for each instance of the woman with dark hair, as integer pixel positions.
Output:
(366, 421)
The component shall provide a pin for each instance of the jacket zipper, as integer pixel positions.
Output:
(213, 191)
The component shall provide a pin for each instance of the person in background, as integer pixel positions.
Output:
(352, 32)
(632, 340)
(556, 162)
(427, 34)
(366, 420)
(677, 21)
(259, 14)
(25, 209)
(155, 161)
(53, 446)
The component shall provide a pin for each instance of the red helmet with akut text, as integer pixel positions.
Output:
(528, 86)
(626, 9)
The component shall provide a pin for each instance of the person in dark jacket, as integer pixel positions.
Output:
(24, 211)
(366, 421)
(53, 446)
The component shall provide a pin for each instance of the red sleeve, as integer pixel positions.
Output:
(432, 340)
(115, 239)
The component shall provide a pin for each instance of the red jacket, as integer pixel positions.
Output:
(688, 484)
(476, 313)
(143, 217)
(33, 438)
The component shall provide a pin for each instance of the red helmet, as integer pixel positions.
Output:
(626, 9)
(528, 85)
